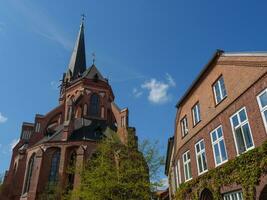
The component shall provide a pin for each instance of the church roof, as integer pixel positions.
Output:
(77, 64)
(93, 129)
(93, 73)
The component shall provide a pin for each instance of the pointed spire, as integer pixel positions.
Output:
(77, 63)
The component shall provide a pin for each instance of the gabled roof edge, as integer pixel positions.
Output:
(217, 54)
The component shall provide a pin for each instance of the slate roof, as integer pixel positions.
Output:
(93, 73)
(77, 64)
(93, 129)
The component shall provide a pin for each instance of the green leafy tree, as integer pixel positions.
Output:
(115, 172)
(154, 160)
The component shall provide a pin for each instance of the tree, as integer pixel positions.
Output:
(154, 160)
(115, 172)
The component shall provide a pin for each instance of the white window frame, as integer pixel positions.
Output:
(229, 196)
(178, 173)
(184, 126)
(217, 142)
(220, 90)
(262, 110)
(242, 123)
(202, 151)
(187, 163)
(196, 108)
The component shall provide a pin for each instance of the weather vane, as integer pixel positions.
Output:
(93, 55)
(83, 17)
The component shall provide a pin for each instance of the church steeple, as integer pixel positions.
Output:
(77, 64)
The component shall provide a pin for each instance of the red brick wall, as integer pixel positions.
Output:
(247, 99)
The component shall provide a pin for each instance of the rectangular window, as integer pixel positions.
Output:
(201, 157)
(187, 166)
(262, 101)
(184, 126)
(233, 196)
(219, 90)
(218, 146)
(241, 131)
(196, 114)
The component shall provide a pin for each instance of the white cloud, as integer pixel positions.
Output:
(170, 80)
(3, 119)
(159, 90)
(13, 143)
(137, 93)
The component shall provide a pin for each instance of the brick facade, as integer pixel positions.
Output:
(245, 77)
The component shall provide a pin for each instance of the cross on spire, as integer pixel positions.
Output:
(83, 17)
(93, 56)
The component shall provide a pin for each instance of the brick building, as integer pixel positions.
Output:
(66, 135)
(220, 120)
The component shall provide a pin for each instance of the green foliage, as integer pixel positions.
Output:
(245, 170)
(154, 160)
(115, 172)
(52, 191)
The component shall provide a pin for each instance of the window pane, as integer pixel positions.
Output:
(265, 115)
(204, 162)
(219, 131)
(195, 115)
(189, 167)
(240, 140)
(202, 145)
(217, 154)
(198, 112)
(247, 136)
(223, 150)
(235, 121)
(217, 92)
(197, 147)
(199, 163)
(214, 137)
(222, 87)
(263, 99)
(242, 115)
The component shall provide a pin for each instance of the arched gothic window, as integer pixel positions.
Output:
(94, 105)
(71, 170)
(53, 176)
(29, 174)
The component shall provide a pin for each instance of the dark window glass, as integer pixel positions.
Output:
(71, 170)
(29, 174)
(53, 177)
(94, 105)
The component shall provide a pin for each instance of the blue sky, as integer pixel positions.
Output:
(151, 50)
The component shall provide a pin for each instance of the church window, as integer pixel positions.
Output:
(94, 105)
(53, 176)
(29, 174)
(71, 170)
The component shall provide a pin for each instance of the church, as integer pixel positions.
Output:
(67, 134)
